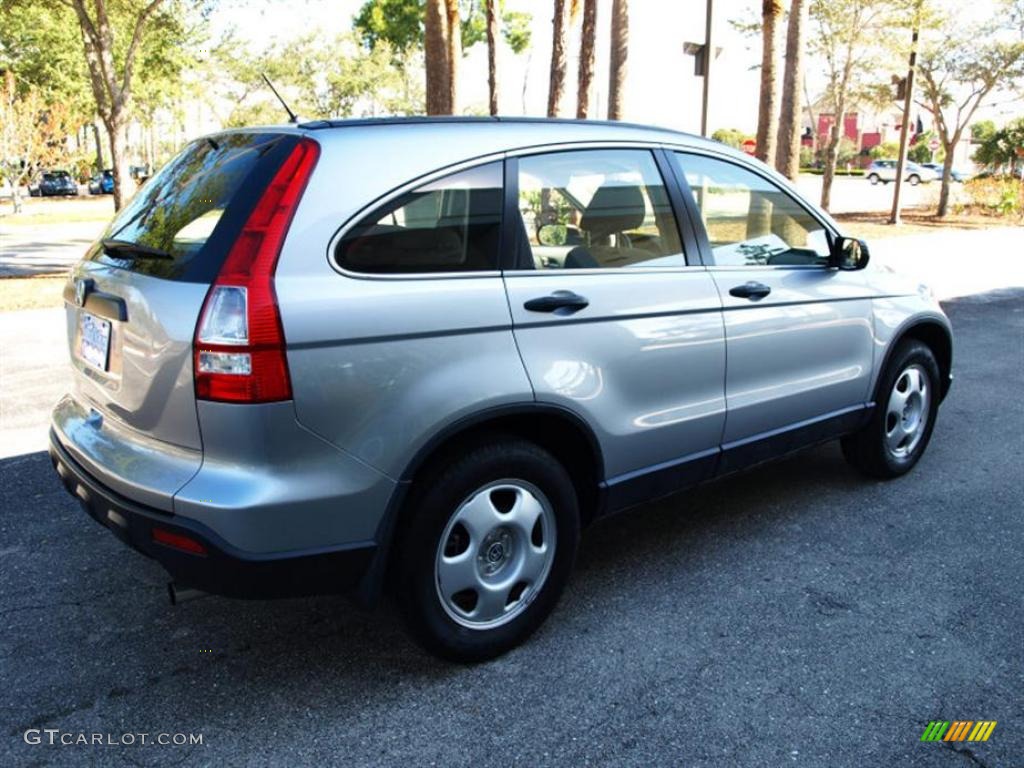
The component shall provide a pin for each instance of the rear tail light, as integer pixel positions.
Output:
(239, 349)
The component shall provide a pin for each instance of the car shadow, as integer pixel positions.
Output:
(96, 586)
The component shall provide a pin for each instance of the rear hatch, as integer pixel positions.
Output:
(133, 302)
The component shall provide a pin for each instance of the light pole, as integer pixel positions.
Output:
(908, 101)
(708, 57)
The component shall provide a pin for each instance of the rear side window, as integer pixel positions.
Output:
(451, 224)
(191, 211)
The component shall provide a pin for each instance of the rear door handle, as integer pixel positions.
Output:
(752, 290)
(559, 302)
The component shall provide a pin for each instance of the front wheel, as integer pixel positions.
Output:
(488, 549)
(873, 178)
(914, 180)
(906, 404)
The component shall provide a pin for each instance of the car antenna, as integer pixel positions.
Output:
(292, 117)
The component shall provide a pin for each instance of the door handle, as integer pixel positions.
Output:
(752, 290)
(559, 302)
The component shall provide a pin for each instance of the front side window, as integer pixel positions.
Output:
(592, 209)
(447, 225)
(749, 220)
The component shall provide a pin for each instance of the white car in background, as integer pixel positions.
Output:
(885, 171)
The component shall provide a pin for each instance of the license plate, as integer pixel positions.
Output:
(94, 340)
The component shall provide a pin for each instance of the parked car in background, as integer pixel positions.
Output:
(434, 375)
(53, 184)
(102, 183)
(885, 171)
(956, 175)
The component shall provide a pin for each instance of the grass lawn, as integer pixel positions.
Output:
(916, 221)
(31, 292)
(38, 211)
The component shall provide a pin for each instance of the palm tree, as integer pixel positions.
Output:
(787, 153)
(454, 52)
(435, 50)
(586, 71)
(558, 61)
(619, 55)
(492, 55)
(771, 11)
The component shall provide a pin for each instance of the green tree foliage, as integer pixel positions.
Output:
(887, 150)
(731, 136)
(42, 46)
(400, 24)
(999, 149)
(920, 152)
(961, 68)
(320, 77)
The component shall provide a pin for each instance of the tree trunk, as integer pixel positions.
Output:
(99, 148)
(947, 168)
(767, 114)
(619, 56)
(556, 84)
(435, 48)
(787, 153)
(831, 156)
(454, 53)
(586, 71)
(124, 186)
(492, 55)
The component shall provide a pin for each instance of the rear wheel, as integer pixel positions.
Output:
(489, 548)
(914, 179)
(906, 405)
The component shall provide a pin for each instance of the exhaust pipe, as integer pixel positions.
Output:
(179, 594)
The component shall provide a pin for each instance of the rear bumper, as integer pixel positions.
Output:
(222, 569)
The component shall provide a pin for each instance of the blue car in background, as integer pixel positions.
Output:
(53, 184)
(957, 176)
(102, 183)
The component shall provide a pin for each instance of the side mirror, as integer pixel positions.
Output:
(848, 253)
(552, 234)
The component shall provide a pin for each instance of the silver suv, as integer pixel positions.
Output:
(426, 353)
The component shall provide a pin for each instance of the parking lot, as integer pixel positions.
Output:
(794, 615)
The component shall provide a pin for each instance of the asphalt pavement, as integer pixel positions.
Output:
(794, 615)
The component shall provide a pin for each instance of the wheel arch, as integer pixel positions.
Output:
(559, 430)
(937, 338)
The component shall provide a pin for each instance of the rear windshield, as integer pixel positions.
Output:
(187, 216)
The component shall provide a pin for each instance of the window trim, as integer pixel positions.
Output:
(688, 240)
(704, 242)
(410, 186)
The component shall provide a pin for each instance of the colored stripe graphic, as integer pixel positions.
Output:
(958, 730)
(935, 730)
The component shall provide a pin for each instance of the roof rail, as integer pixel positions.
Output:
(427, 119)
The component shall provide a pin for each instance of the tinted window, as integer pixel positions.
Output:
(597, 209)
(749, 220)
(195, 205)
(448, 225)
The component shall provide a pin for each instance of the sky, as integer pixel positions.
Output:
(661, 87)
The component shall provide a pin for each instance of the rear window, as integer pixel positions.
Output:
(193, 209)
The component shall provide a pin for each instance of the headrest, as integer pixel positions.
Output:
(614, 209)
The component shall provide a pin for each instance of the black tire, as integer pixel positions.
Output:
(867, 449)
(873, 178)
(914, 179)
(435, 502)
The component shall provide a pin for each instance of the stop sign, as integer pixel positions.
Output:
(934, 144)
